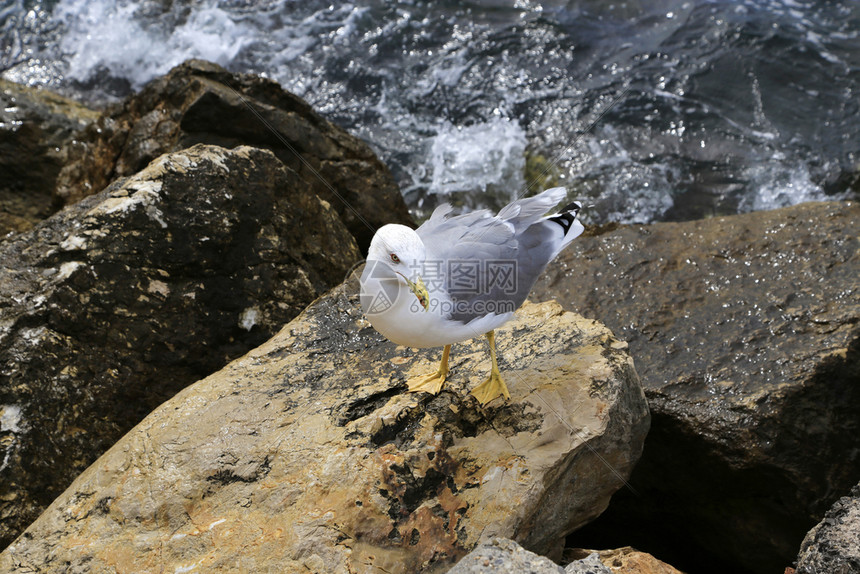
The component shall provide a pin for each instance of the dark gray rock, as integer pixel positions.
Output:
(833, 546)
(117, 302)
(200, 102)
(745, 333)
(35, 127)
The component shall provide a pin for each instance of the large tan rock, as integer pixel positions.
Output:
(307, 455)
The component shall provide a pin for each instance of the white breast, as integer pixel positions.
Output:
(405, 322)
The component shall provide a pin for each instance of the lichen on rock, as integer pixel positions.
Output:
(308, 453)
(114, 304)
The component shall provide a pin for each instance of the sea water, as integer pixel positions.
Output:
(645, 111)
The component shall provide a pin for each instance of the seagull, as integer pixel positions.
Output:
(458, 277)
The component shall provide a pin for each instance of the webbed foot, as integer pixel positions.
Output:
(433, 382)
(494, 386)
(491, 388)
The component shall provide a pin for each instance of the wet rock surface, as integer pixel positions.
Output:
(35, 127)
(200, 102)
(307, 454)
(745, 333)
(114, 304)
(833, 545)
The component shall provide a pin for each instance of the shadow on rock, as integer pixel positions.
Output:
(744, 330)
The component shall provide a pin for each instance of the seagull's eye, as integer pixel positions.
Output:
(394, 258)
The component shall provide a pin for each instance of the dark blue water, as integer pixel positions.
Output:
(646, 110)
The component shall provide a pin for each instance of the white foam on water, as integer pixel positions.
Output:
(483, 156)
(629, 190)
(641, 196)
(372, 66)
(102, 35)
(211, 34)
(778, 184)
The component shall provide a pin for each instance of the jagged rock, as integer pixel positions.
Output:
(308, 454)
(35, 127)
(504, 556)
(745, 332)
(590, 564)
(833, 545)
(200, 102)
(114, 304)
(625, 560)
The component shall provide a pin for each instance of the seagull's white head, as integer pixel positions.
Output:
(400, 248)
(394, 263)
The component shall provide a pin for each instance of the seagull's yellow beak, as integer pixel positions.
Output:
(419, 290)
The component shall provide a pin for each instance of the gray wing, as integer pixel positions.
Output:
(490, 263)
(531, 209)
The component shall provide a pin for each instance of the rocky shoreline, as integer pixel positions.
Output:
(186, 381)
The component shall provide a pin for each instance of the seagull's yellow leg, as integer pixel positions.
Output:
(494, 386)
(433, 382)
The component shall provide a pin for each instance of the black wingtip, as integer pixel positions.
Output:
(572, 206)
(567, 215)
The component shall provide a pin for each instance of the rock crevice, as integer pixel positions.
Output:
(744, 330)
